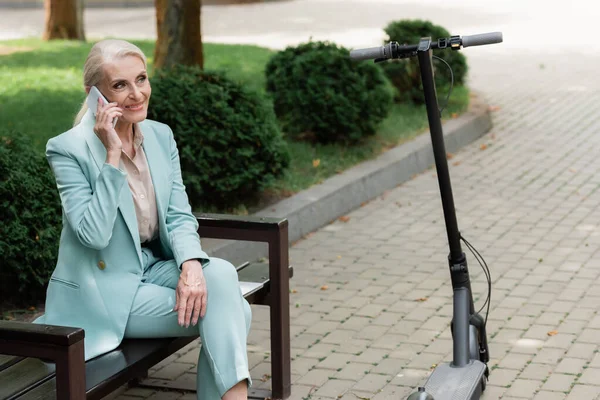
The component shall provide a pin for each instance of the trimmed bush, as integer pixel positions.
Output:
(320, 94)
(229, 142)
(30, 212)
(405, 74)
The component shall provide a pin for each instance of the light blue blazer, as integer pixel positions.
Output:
(100, 262)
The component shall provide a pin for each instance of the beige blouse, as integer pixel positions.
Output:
(142, 189)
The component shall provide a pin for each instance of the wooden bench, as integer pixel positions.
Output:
(65, 375)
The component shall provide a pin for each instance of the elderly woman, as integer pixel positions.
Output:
(130, 264)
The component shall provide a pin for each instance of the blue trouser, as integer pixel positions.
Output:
(223, 360)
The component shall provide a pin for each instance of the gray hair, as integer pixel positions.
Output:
(103, 53)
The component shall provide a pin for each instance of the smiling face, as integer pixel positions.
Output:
(126, 82)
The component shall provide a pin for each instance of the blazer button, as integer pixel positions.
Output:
(101, 265)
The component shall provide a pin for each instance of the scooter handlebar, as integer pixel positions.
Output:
(393, 50)
(368, 54)
(381, 52)
(482, 39)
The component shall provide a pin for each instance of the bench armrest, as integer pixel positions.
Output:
(237, 227)
(273, 231)
(62, 345)
(39, 333)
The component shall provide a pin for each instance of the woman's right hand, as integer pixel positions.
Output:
(104, 128)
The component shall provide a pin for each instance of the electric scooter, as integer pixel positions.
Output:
(466, 376)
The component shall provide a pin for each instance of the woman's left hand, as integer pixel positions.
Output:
(190, 295)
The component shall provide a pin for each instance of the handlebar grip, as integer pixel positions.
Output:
(368, 54)
(481, 39)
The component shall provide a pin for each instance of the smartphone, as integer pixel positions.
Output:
(92, 101)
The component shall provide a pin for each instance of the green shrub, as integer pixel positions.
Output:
(30, 212)
(319, 93)
(229, 142)
(405, 74)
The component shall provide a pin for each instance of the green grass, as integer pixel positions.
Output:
(41, 90)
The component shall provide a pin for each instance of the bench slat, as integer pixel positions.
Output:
(7, 361)
(22, 375)
(254, 272)
(45, 391)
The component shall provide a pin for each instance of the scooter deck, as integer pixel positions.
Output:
(451, 383)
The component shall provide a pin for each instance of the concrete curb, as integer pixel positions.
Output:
(321, 204)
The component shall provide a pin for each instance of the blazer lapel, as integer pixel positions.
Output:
(126, 206)
(159, 171)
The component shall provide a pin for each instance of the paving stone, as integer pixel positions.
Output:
(354, 371)
(571, 366)
(315, 377)
(389, 342)
(188, 396)
(506, 335)
(166, 361)
(354, 394)
(502, 377)
(372, 383)
(370, 310)
(493, 393)
(539, 332)
(371, 356)
(581, 314)
(371, 332)
(124, 397)
(356, 323)
(339, 336)
(590, 377)
(301, 392)
(549, 356)
(308, 318)
(191, 356)
(301, 365)
(589, 336)
(559, 382)
(407, 351)
(139, 392)
(320, 350)
(536, 371)
(523, 388)
(334, 388)
(515, 361)
(582, 350)
(425, 361)
(595, 363)
(387, 319)
(389, 366)
(322, 327)
(561, 341)
(392, 392)
(583, 392)
(336, 361)
(172, 371)
(544, 395)
(574, 327)
(411, 377)
(354, 346)
(165, 396)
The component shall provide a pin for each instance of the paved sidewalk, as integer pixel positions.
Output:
(371, 299)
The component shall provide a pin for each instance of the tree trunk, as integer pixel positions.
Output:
(64, 20)
(178, 29)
